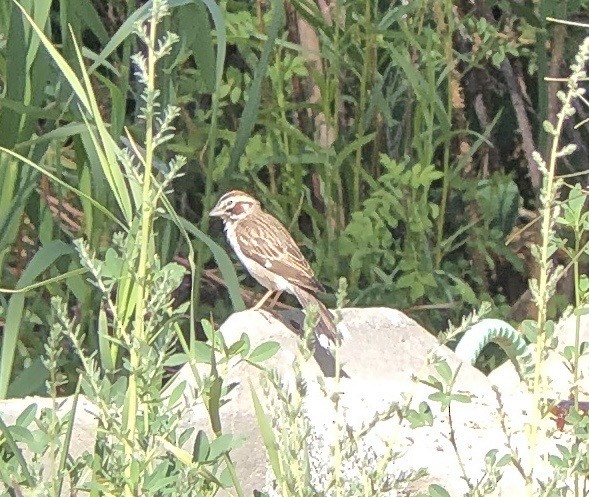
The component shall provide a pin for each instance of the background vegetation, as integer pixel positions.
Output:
(394, 140)
(397, 141)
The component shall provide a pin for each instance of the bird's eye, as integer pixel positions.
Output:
(230, 202)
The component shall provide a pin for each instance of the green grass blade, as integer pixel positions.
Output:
(15, 189)
(29, 381)
(267, 435)
(62, 133)
(24, 71)
(220, 30)
(108, 151)
(61, 63)
(195, 31)
(250, 112)
(223, 262)
(85, 96)
(65, 443)
(54, 178)
(44, 258)
(126, 29)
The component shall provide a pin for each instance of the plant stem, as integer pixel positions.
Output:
(538, 385)
(448, 30)
(361, 126)
(147, 212)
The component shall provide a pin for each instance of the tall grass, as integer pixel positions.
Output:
(102, 186)
(365, 142)
(137, 327)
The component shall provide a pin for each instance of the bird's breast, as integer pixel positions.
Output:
(262, 273)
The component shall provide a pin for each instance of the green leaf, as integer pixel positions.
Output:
(178, 360)
(529, 329)
(444, 371)
(421, 417)
(26, 417)
(21, 434)
(201, 448)
(113, 264)
(267, 435)
(177, 393)
(221, 445)
(263, 352)
(437, 491)
(18, 454)
(441, 397)
(226, 478)
(237, 348)
(202, 352)
(574, 206)
(460, 397)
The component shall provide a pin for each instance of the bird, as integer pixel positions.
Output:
(269, 254)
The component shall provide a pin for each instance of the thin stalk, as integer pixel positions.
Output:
(543, 35)
(361, 126)
(233, 474)
(448, 53)
(207, 203)
(330, 205)
(549, 197)
(577, 276)
(281, 99)
(335, 176)
(147, 211)
(543, 291)
(577, 353)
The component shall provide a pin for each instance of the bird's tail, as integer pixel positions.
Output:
(325, 324)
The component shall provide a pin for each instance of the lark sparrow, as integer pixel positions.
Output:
(268, 252)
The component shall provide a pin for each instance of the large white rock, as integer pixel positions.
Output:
(384, 353)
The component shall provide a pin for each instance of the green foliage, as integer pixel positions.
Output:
(566, 212)
(313, 131)
(337, 458)
(376, 138)
(123, 352)
(391, 265)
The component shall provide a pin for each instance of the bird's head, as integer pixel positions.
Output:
(234, 205)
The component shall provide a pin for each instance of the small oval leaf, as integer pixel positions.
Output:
(263, 352)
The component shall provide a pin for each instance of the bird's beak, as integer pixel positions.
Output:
(215, 211)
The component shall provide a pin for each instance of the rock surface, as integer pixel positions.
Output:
(383, 355)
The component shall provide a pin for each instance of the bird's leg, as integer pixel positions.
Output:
(275, 299)
(262, 300)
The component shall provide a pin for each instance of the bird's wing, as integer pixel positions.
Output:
(269, 243)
